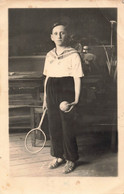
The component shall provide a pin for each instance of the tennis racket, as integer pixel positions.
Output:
(35, 139)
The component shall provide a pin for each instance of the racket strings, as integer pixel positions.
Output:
(35, 140)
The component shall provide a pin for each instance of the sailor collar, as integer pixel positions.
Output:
(68, 51)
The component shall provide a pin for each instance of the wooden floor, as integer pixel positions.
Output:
(96, 158)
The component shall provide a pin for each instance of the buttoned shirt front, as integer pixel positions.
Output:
(68, 63)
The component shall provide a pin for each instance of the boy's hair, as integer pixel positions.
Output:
(60, 23)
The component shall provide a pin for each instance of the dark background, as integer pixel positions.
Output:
(29, 40)
(29, 29)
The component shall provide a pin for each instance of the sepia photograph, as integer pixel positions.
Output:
(62, 67)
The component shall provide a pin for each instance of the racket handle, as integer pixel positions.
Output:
(44, 112)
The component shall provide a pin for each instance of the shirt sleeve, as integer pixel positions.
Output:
(77, 66)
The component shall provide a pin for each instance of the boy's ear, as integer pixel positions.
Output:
(51, 37)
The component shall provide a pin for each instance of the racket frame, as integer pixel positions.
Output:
(35, 129)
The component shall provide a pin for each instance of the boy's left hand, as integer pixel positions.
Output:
(73, 103)
(71, 106)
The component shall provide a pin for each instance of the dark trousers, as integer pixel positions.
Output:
(61, 125)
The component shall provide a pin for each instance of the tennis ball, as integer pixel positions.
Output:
(64, 106)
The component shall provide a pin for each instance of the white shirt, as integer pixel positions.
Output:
(66, 64)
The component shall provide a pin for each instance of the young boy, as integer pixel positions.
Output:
(63, 71)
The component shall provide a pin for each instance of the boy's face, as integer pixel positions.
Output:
(59, 35)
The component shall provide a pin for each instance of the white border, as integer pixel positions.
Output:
(90, 185)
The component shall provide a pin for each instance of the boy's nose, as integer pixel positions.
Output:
(59, 35)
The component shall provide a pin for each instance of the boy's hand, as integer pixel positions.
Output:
(71, 106)
(73, 103)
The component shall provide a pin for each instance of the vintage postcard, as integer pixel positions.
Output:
(61, 97)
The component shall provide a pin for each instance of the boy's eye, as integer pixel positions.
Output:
(63, 32)
(56, 33)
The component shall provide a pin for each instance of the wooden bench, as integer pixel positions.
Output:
(25, 90)
(33, 110)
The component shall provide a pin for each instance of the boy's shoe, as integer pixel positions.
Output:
(56, 162)
(69, 167)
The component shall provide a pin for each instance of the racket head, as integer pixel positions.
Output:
(35, 140)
